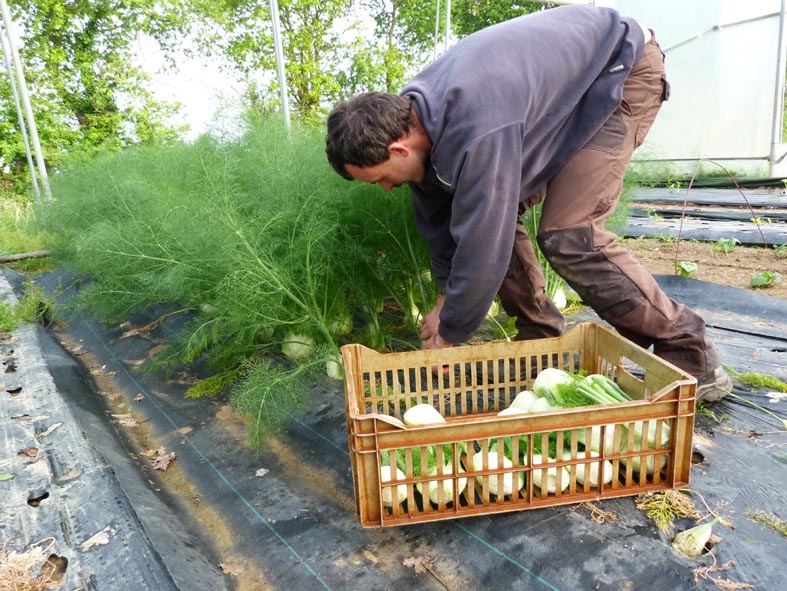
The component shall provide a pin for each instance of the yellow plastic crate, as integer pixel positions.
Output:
(469, 385)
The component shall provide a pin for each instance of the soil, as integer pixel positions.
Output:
(735, 268)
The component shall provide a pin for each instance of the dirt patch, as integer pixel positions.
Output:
(735, 269)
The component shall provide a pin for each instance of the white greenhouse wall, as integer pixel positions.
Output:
(722, 66)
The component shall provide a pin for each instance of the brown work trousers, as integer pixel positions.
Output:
(571, 235)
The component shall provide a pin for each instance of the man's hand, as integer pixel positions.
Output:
(431, 320)
(429, 332)
(437, 342)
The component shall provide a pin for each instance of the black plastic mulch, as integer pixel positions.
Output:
(756, 217)
(290, 512)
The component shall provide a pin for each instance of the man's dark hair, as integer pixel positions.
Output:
(361, 129)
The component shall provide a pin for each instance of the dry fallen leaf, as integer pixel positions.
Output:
(162, 462)
(421, 564)
(49, 430)
(597, 514)
(70, 475)
(126, 420)
(139, 397)
(228, 569)
(27, 419)
(99, 539)
(155, 350)
(143, 330)
(152, 453)
(30, 452)
(185, 430)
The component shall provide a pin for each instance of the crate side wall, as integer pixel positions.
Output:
(483, 379)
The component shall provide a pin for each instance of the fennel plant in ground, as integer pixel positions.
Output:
(256, 237)
(389, 258)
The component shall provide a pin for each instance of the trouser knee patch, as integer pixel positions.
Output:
(599, 282)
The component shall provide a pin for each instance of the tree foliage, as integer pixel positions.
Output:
(328, 57)
(242, 31)
(469, 16)
(400, 42)
(79, 66)
(80, 63)
(407, 33)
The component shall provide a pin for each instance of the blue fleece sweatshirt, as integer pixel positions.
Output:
(505, 108)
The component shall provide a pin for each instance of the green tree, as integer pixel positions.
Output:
(404, 37)
(402, 42)
(242, 31)
(79, 66)
(468, 16)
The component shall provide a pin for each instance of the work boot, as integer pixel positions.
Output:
(714, 385)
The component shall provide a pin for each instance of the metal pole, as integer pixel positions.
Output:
(436, 28)
(279, 62)
(447, 23)
(20, 116)
(778, 99)
(31, 122)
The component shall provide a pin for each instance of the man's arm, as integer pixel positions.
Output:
(432, 209)
(484, 215)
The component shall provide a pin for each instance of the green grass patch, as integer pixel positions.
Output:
(270, 394)
(34, 305)
(769, 520)
(8, 318)
(19, 234)
(215, 384)
(762, 381)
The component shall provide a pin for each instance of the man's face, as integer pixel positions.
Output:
(403, 166)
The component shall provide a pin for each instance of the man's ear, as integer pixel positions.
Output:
(399, 148)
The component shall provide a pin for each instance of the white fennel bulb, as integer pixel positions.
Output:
(297, 347)
(447, 484)
(592, 473)
(401, 489)
(547, 382)
(510, 411)
(334, 367)
(508, 477)
(559, 298)
(422, 414)
(541, 404)
(551, 482)
(524, 400)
